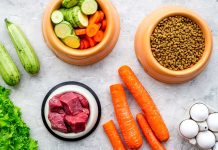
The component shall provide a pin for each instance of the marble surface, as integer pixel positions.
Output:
(172, 100)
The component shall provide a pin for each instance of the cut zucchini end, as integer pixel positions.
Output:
(7, 22)
(69, 3)
(89, 7)
(72, 41)
(57, 17)
(83, 19)
(63, 29)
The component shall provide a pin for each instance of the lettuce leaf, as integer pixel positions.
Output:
(14, 133)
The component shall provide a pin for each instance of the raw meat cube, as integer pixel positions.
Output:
(57, 122)
(55, 105)
(71, 103)
(77, 122)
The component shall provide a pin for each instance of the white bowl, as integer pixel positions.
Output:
(94, 105)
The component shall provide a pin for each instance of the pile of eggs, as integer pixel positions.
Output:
(202, 127)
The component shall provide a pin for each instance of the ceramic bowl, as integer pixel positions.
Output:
(94, 105)
(88, 56)
(143, 48)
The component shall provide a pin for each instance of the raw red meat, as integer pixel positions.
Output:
(85, 110)
(77, 122)
(55, 105)
(84, 102)
(69, 112)
(57, 121)
(71, 103)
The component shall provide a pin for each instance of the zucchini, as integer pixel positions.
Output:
(9, 70)
(89, 7)
(72, 41)
(23, 48)
(76, 9)
(57, 16)
(63, 29)
(82, 19)
(69, 3)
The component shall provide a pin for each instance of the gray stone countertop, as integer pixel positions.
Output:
(172, 100)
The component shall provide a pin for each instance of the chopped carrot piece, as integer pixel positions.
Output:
(101, 16)
(95, 18)
(92, 29)
(80, 32)
(86, 43)
(81, 44)
(91, 42)
(99, 36)
(104, 25)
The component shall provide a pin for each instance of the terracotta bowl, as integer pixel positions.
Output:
(88, 56)
(143, 48)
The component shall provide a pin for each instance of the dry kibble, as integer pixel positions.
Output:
(177, 43)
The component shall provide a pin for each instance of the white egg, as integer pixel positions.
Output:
(216, 146)
(199, 112)
(206, 139)
(212, 122)
(189, 128)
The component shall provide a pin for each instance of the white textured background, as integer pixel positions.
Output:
(172, 100)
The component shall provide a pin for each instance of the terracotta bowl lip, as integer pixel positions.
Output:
(182, 11)
(104, 5)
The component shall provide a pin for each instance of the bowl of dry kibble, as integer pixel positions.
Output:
(173, 44)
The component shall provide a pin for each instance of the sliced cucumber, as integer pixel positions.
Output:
(69, 3)
(63, 29)
(82, 19)
(57, 17)
(76, 9)
(89, 7)
(72, 41)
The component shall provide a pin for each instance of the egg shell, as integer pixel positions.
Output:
(206, 140)
(199, 112)
(212, 122)
(189, 128)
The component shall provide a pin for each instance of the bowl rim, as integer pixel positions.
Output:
(182, 11)
(60, 46)
(64, 84)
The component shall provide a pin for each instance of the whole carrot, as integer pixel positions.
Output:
(128, 126)
(146, 103)
(150, 137)
(111, 131)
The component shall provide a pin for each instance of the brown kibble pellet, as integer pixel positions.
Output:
(177, 43)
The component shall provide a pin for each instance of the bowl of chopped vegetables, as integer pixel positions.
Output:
(173, 44)
(81, 32)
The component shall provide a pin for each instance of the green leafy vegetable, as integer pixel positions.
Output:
(14, 133)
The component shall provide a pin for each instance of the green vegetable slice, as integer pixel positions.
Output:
(89, 7)
(83, 20)
(63, 29)
(72, 41)
(69, 3)
(14, 132)
(57, 17)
